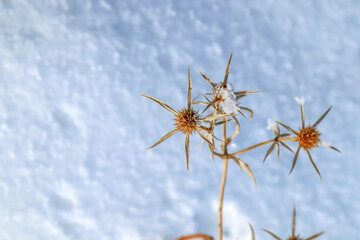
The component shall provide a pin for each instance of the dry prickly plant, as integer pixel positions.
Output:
(223, 107)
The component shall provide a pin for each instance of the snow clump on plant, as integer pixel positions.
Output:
(226, 98)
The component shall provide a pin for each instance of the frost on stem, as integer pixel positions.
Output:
(300, 100)
(325, 144)
(271, 124)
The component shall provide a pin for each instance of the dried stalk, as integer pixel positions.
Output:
(221, 198)
(223, 183)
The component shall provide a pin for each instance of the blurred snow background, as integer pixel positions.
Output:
(73, 127)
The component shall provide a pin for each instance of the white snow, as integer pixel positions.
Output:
(227, 98)
(73, 126)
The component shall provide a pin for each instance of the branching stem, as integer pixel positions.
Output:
(252, 147)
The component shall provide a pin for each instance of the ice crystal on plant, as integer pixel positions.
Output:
(226, 97)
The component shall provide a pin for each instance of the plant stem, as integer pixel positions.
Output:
(222, 190)
(226, 156)
(223, 182)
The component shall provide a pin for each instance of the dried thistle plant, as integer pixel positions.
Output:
(293, 228)
(187, 121)
(308, 137)
(222, 102)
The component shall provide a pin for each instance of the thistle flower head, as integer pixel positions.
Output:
(309, 137)
(187, 120)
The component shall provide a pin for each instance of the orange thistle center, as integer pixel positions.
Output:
(187, 120)
(309, 138)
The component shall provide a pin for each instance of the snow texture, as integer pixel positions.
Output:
(73, 126)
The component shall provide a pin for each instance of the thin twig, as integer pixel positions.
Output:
(258, 145)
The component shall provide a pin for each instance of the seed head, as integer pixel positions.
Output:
(187, 120)
(309, 137)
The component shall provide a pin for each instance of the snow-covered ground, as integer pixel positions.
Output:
(73, 126)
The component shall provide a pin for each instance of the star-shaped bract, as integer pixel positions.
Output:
(187, 121)
(293, 227)
(308, 138)
(277, 143)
